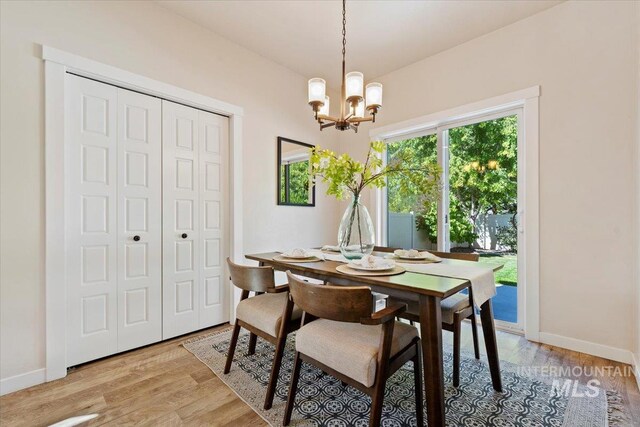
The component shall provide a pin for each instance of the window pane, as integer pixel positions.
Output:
(406, 228)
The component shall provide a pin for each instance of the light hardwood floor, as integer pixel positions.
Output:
(163, 384)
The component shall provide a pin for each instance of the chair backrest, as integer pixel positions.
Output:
(464, 256)
(340, 303)
(256, 279)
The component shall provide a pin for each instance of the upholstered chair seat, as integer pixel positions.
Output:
(265, 312)
(448, 305)
(350, 348)
(453, 304)
(262, 315)
(342, 335)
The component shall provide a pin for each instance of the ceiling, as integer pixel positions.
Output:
(382, 36)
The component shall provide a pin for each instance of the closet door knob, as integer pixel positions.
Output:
(184, 235)
(136, 238)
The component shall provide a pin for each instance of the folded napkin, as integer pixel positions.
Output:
(370, 261)
(297, 253)
(481, 277)
(331, 248)
(413, 253)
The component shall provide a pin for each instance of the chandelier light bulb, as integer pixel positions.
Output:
(359, 110)
(355, 84)
(317, 90)
(324, 110)
(374, 95)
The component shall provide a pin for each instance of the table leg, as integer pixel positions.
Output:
(489, 332)
(431, 331)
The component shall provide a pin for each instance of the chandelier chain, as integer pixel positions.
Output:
(344, 29)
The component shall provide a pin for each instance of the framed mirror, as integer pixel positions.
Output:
(295, 186)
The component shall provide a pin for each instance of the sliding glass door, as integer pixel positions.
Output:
(478, 208)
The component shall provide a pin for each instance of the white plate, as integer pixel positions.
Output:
(284, 255)
(363, 268)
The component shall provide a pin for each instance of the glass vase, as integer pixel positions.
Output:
(356, 237)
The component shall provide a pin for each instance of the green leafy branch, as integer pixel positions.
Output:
(418, 181)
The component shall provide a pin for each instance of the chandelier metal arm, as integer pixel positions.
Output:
(322, 118)
(356, 120)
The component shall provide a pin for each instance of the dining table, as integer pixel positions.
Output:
(428, 290)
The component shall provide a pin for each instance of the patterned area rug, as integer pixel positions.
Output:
(323, 401)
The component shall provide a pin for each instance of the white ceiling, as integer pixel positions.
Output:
(382, 36)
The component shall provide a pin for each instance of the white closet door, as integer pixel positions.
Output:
(181, 249)
(214, 141)
(139, 219)
(92, 234)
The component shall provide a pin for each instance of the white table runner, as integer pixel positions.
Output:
(481, 277)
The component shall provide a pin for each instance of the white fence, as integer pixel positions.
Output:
(403, 233)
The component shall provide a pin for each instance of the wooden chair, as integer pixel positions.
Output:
(341, 336)
(266, 315)
(455, 309)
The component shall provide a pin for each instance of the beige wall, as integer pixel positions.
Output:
(583, 55)
(637, 167)
(146, 39)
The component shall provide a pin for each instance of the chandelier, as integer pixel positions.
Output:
(352, 102)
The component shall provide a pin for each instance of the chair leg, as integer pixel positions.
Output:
(232, 347)
(275, 371)
(417, 376)
(253, 338)
(293, 388)
(474, 330)
(456, 351)
(376, 404)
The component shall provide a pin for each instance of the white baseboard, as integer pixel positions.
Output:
(18, 382)
(604, 351)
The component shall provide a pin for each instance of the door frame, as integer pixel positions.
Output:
(57, 64)
(526, 100)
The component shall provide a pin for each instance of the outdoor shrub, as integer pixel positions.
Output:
(507, 236)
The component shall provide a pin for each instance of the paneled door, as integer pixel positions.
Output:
(92, 235)
(139, 219)
(213, 147)
(195, 291)
(114, 233)
(181, 249)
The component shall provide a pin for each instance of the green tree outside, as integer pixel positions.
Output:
(482, 176)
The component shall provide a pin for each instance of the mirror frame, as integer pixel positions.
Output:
(282, 139)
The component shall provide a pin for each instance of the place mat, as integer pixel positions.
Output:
(345, 269)
(292, 260)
